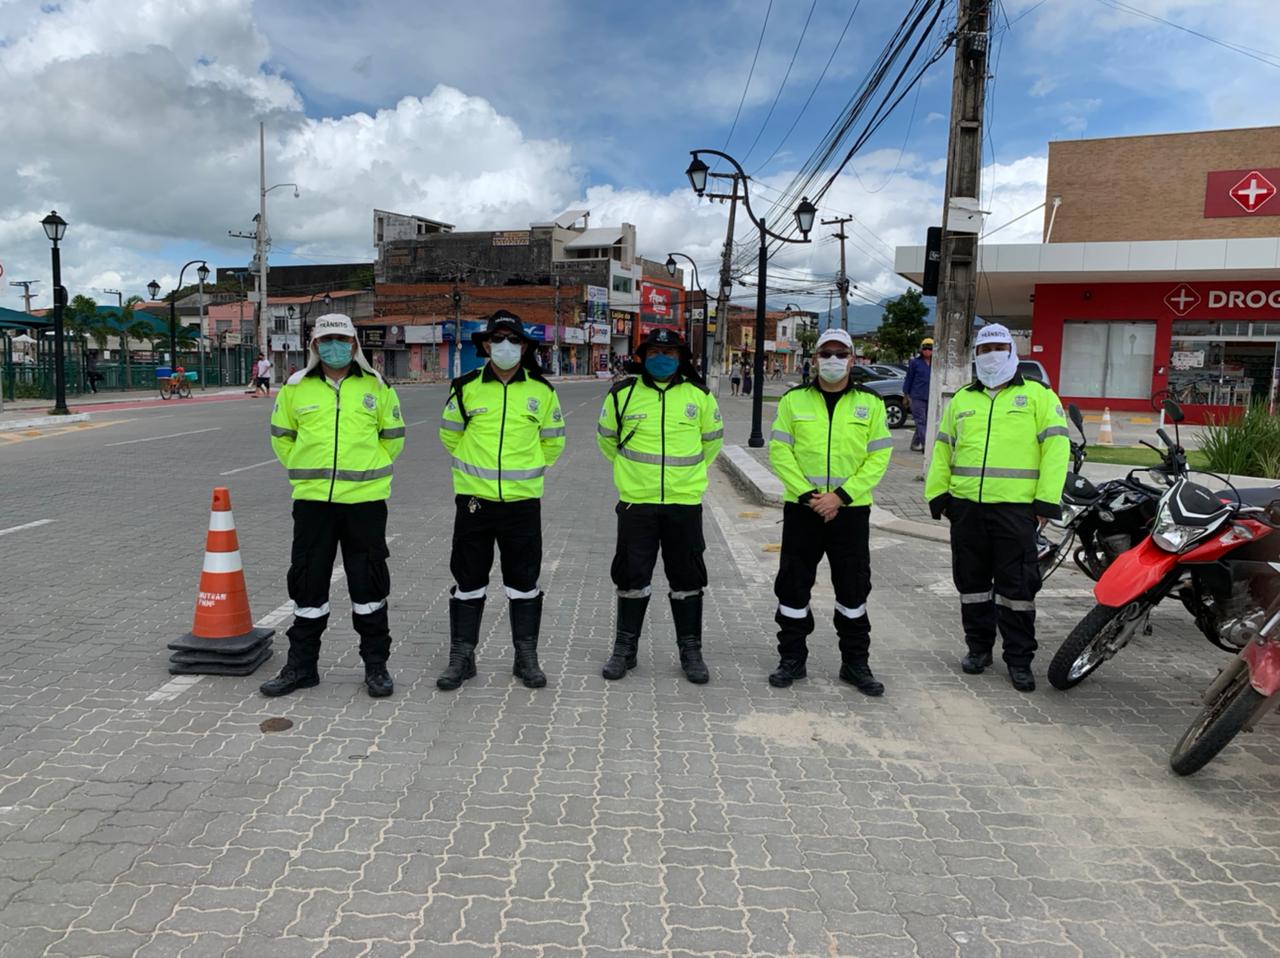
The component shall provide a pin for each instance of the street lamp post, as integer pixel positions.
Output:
(153, 287)
(688, 319)
(327, 301)
(804, 214)
(55, 227)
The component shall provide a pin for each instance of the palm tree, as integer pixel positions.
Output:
(131, 328)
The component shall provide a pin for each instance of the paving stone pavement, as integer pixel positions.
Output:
(644, 817)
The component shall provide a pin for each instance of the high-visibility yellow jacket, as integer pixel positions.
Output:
(1011, 448)
(502, 437)
(844, 450)
(338, 443)
(660, 437)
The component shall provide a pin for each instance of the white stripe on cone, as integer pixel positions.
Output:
(221, 522)
(222, 561)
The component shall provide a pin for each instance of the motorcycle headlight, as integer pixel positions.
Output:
(1070, 512)
(1172, 537)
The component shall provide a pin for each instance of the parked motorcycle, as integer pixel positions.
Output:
(1206, 549)
(1106, 521)
(1241, 696)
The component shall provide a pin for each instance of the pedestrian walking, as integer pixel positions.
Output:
(915, 392)
(830, 446)
(777, 369)
(262, 375)
(735, 378)
(91, 374)
(746, 379)
(661, 430)
(999, 464)
(503, 428)
(804, 373)
(337, 429)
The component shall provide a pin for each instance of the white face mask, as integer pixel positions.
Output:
(506, 355)
(995, 369)
(832, 369)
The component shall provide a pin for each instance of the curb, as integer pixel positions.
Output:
(762, 486)
(44, 422)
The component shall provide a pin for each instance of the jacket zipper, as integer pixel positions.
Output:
(502, 431)
(831, 425)
(982, 479)
(337, 418)
(662, 432)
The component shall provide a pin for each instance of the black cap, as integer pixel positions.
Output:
(502, 319)
(663, 337)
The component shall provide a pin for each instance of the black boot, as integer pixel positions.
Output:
(855, 647)
(526, 617)
(687, 614)
(300, 670)
(1021, 677)
(793, 652)
(464, 635)
(630, 619)
(975, 662)
(375, 649)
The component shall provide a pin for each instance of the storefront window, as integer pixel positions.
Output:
(1220, 373)
(1104, 359)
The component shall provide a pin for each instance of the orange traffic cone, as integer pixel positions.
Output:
(222, 640)
(1105, 438)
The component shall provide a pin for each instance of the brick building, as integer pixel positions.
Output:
(1159, 272)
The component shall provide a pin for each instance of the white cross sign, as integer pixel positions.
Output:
(1253, 191)
(1182, 299)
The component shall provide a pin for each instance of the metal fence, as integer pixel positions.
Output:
(229, 366)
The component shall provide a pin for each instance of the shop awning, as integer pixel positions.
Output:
(16, 319)
(1008, 273)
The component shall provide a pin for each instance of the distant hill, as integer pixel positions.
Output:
(865, 317)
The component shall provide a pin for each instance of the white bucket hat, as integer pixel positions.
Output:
(333, 324)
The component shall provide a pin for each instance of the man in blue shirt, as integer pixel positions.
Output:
(915, 392)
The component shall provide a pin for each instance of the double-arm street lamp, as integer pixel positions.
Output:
(804, 214)
(672, 266)
(55, 227)
(154, 289)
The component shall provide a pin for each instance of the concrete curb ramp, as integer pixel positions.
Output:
(44, 422)
(764, 487)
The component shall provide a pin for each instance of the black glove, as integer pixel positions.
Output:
(938, 505)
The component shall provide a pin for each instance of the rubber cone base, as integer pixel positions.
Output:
(213, 658)
(238, 645)
(221, 668)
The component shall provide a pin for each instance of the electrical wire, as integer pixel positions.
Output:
(751, 73)
(1262, 56)
(783, 85)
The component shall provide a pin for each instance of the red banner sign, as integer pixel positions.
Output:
(657, 301)
(1242, 193)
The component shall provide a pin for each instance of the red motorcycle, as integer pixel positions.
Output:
(1244, 692)
(1210, 550)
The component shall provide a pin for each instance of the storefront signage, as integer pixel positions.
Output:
(511, 238)
(1244, 299)
(1188, 359)
(1242, 193)
(599, 332)
(373, 335)
(656, 301)
(619, 315)
(573, 335)
(422, 334)
(1185, 298)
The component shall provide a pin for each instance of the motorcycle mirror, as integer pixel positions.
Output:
(1273, 512)
(1173, 410)
(1074, 412)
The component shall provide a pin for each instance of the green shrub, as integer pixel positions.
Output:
(1245, 444)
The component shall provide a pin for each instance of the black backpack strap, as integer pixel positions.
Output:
(619, 413)
(455, 392)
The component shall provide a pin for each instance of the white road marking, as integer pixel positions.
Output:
(232, 472)
(194, 432)
(173, 688)
(26, 525)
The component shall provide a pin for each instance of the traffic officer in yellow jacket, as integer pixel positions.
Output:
(503, 429)
(661, 429)
(830, 446)
(999, 464)
(337, 429)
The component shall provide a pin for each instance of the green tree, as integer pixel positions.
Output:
(806, 336)
(81, 314)
(902, 326)
(132, 326)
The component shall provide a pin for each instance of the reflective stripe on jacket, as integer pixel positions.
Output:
(1013, 448)
(666, 438)
(338, 444)
(845, 451)
(502, 437)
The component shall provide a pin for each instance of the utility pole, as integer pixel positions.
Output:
(457, 329)
(26, 285)
(117, 294)
(555, 336)
(260, 242)
(726, 283)
(842, 281)
(958, 278)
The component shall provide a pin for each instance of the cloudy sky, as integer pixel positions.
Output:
(138, 120)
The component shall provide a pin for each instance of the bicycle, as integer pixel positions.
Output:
(1195, 392)
(175, 385)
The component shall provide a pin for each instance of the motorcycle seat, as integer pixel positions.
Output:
(1080, 489)
(1261, 496)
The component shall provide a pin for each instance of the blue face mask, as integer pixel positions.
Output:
(661, 367)
(335, 353)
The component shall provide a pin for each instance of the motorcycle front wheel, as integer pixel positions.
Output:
(1217, 724)
(1096, 637)
(1062, 549)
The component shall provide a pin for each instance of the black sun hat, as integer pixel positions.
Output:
(664, 337)
(502, 319)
